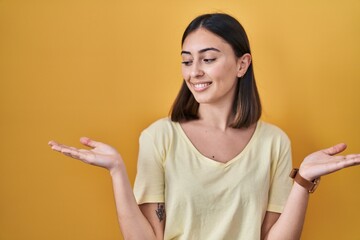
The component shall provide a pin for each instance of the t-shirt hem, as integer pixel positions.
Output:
(275, 208)
(150, 199)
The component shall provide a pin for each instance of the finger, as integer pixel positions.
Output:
(68, 151)
(353, 159)
(52, 143)
(72, 152)
(349, 156)
(338, 148)
(89, 142)
(56, 147)
(80, 154)
(63, 148)
(350, 160)
(68, 154)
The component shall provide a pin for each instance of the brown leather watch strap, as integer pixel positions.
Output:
(308, 185)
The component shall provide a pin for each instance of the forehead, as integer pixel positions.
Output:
(202, 38)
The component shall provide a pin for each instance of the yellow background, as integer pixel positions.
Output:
(107, 69)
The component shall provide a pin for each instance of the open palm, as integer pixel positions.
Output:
(324, 162)
(101, 154)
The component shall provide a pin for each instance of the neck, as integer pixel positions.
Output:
(217, 116)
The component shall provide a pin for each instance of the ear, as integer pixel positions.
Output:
(243, 64)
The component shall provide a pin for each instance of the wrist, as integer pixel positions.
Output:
(305, 175)
(117, 169)
(310, 186)
(301, 188)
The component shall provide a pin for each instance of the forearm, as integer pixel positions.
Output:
(132, 222)
(290, 223)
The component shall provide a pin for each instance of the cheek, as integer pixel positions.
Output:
(222, 72)
(226, 71)
(185, 73)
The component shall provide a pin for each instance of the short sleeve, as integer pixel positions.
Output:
(280, 182)
(149, 182)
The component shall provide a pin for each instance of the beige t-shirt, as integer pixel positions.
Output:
(209, 200)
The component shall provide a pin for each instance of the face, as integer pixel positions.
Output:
(210, 67)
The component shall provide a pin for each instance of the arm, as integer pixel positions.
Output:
(133, 224)
(269, 220)
(155, 214)
(290, 223)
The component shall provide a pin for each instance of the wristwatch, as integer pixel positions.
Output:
(308, 185)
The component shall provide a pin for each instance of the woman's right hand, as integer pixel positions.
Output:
(133, 223)
(101, 154)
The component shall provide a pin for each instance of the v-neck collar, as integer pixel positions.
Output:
(212, 161)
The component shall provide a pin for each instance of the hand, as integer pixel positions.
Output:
(324, 162)
(101, 155)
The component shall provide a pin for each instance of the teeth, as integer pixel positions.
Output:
(201, 85)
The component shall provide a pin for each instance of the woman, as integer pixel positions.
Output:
(217, 170)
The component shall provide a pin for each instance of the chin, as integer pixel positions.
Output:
(202, 100)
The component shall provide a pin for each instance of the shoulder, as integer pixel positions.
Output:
(272, 131)
(159, 136)
(160, 132)
(274, 141)
(272, 136)
(163, 125)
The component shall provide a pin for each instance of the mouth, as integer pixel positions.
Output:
(201, 86)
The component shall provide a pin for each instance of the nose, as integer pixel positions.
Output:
(196, 70)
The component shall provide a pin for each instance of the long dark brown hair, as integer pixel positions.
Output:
(246, 106)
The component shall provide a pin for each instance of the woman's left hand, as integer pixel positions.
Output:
(324, 162)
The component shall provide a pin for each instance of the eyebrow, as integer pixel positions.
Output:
(202, 50)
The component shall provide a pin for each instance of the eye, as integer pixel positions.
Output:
(209, 60)
(186, 63)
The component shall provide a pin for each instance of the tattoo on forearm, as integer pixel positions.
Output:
(160, 212)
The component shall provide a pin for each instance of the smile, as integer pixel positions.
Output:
(201, 86)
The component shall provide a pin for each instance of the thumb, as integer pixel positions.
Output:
(338, 148)
(88, 142)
